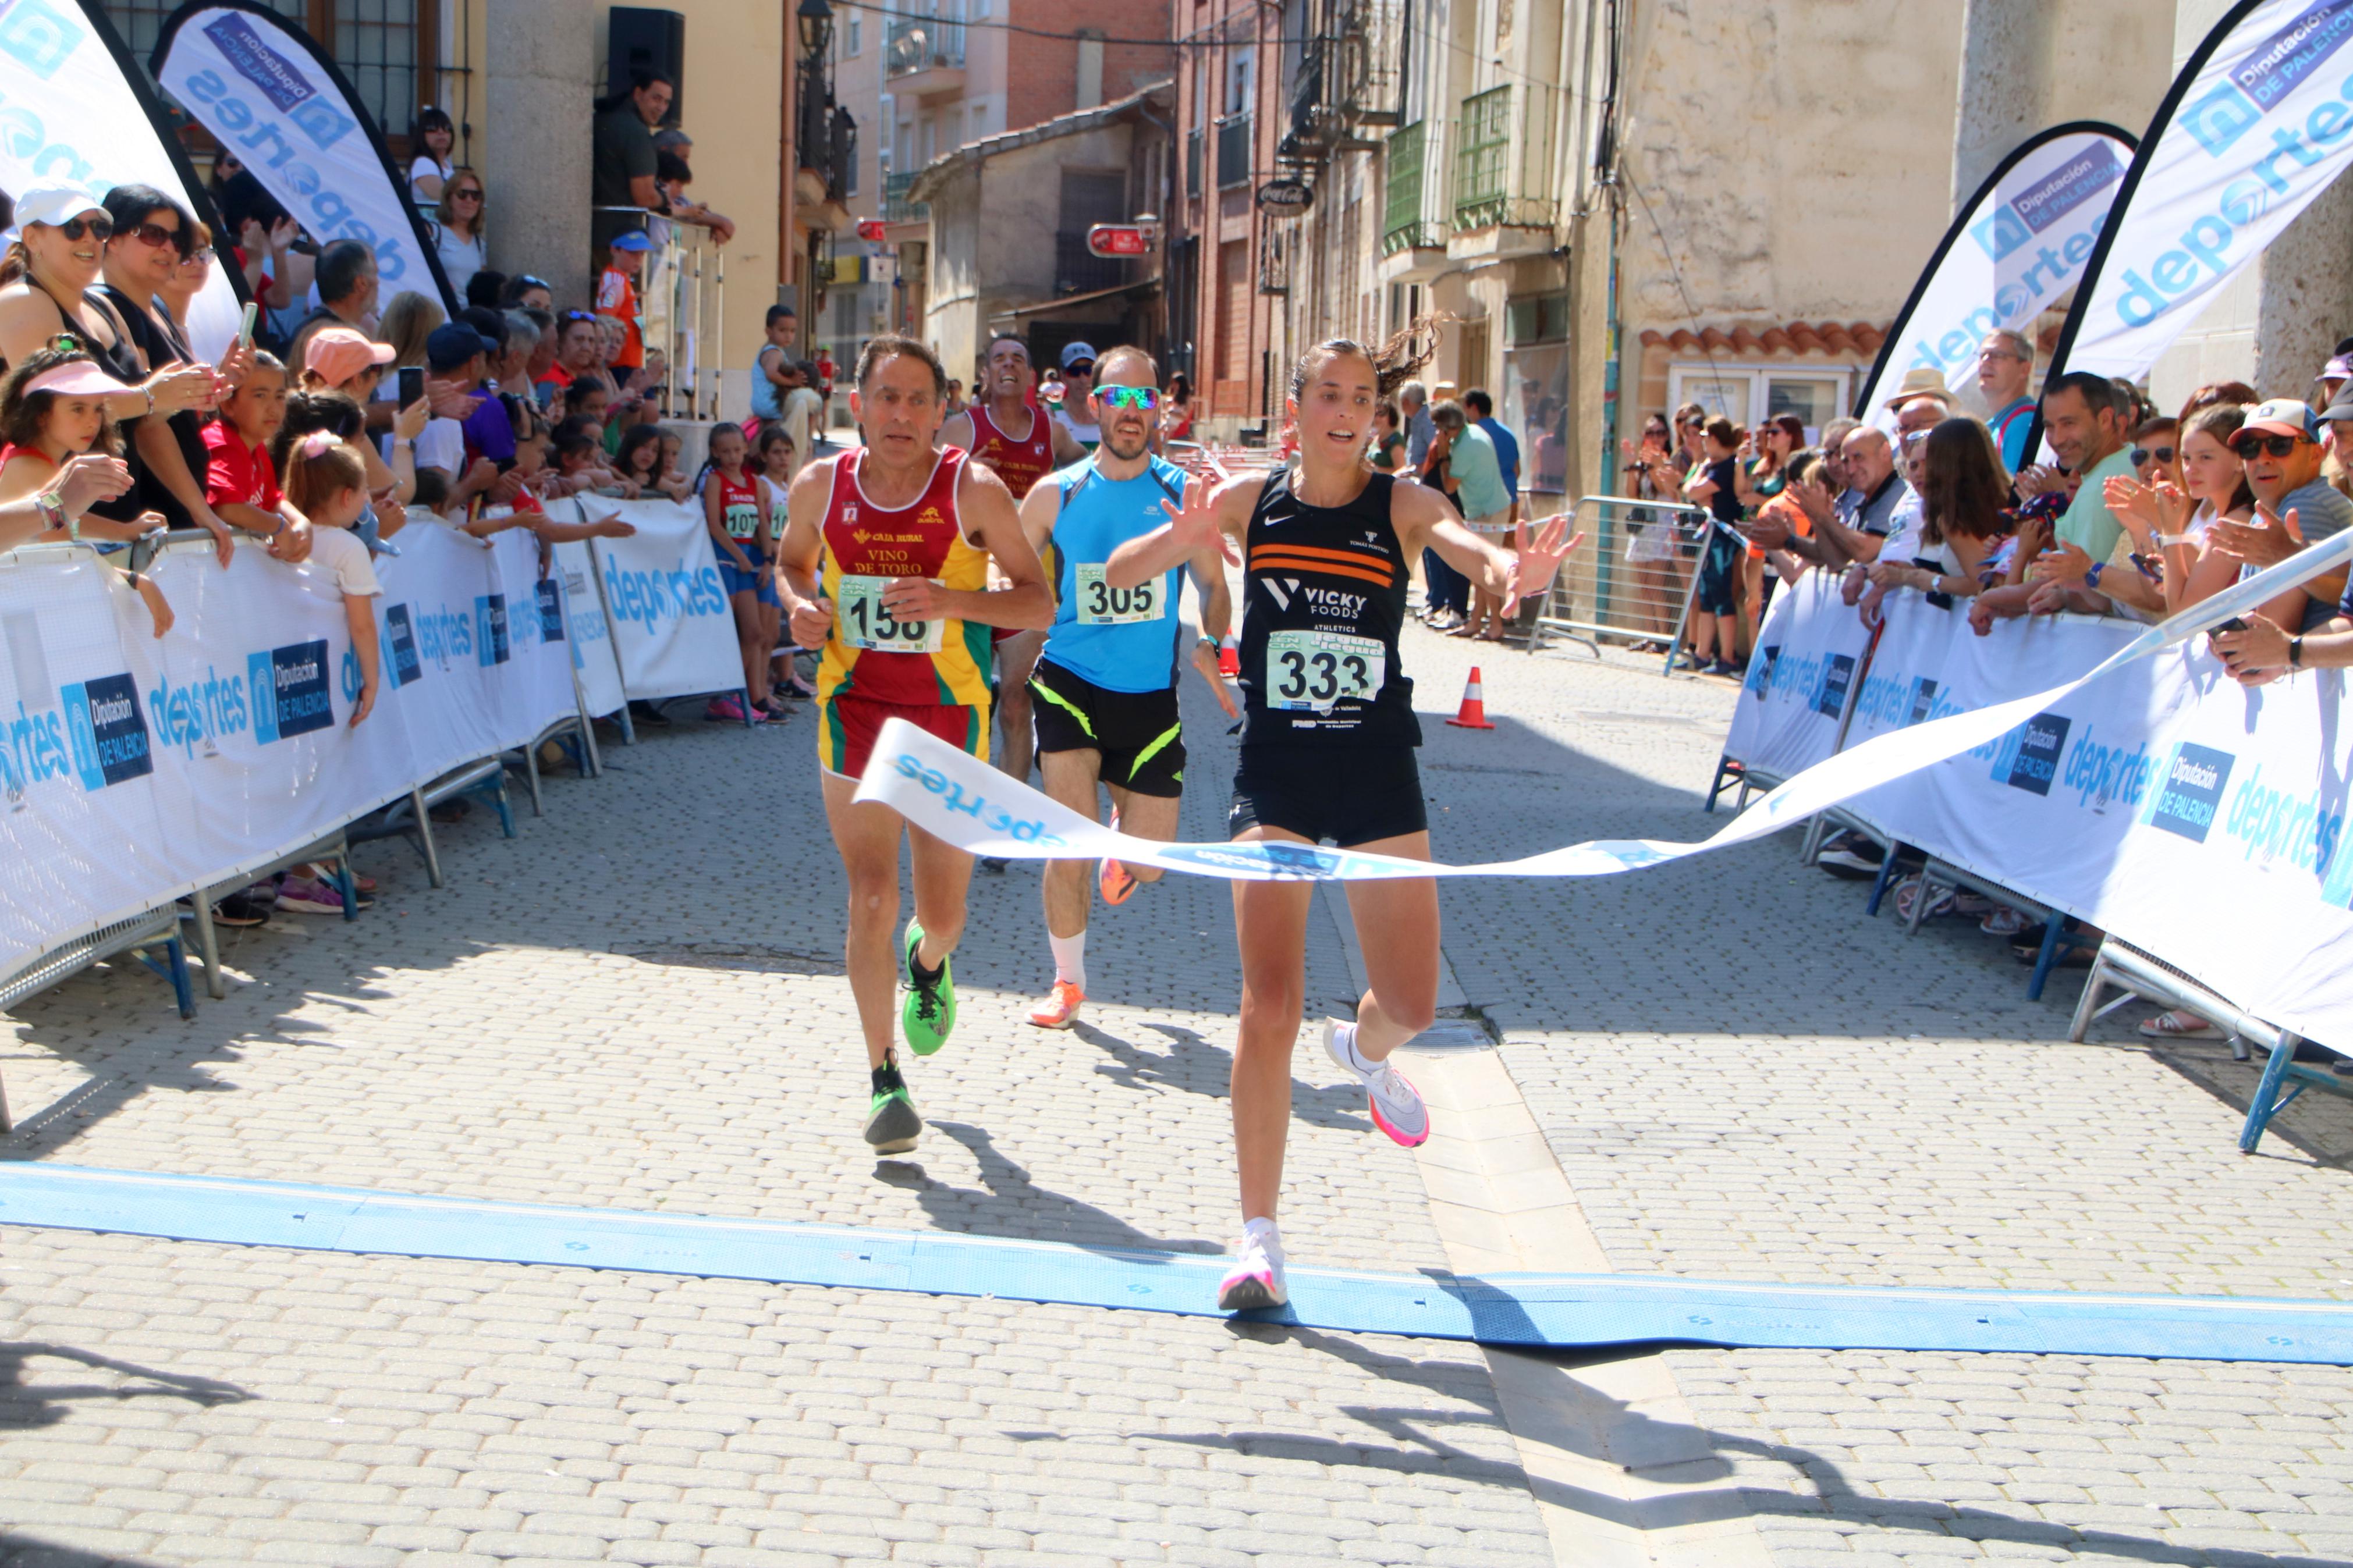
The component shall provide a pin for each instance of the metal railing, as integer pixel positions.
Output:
(1502, 164)
(1633, 580)
(921, 44)
(1405, 221)
(896, 208)
(683, 313)
(1236, 149)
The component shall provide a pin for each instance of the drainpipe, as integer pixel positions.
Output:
(1167, 205)
(788, 164)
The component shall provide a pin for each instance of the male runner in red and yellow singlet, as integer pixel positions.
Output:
(885, 566)
(988, 430)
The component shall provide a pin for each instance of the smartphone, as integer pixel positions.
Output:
(412, 383)
(2235, 623)
(245, 322)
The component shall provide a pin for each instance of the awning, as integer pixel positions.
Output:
(1048, 306)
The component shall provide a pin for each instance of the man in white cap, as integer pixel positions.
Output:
(1076, 416)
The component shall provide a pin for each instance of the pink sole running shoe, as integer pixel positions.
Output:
(1255, 1281)
(1396, 1105)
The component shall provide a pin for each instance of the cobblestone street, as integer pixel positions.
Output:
(639, 1003)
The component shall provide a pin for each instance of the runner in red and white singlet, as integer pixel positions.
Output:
(1000, 406)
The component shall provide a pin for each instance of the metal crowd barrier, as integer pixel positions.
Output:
(1634, 580)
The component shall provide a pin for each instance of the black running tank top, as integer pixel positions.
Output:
(1322, 601)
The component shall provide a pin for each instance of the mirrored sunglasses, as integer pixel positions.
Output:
(1129, 396)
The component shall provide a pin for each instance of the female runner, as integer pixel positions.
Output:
(1327, 746)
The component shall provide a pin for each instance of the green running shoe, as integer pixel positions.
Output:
(929, 1013)
(892, 1124)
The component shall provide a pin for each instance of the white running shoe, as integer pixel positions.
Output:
(1395, 1103)
(1256, 1278)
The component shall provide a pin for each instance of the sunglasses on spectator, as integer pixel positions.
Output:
(570, 316)
(2162, 454)
(466, 193)
(1128, 396)
(1085, 367)
(154, 235)
(96, 227)
(2269, 446)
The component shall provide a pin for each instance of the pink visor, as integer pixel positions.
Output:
(81, 379)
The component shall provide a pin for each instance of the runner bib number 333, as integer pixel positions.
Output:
(1311, 671)
(1101, 605)
(863, 623)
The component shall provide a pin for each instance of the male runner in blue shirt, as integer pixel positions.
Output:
(1105, 687)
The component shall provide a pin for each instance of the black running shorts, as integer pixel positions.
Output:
(1346, 795)
(1138, 732)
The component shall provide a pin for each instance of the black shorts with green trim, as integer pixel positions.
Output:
(1138, 732)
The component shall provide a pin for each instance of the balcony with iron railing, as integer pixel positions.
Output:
(1502, 161)
(1367, 58)
(925, 56)
(1409, 218)
(896, 208)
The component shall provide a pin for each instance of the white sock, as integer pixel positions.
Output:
(1070, 958)
(1345, 1035)
(1264, 1229)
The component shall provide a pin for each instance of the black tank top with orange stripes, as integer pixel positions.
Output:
(1322, 602)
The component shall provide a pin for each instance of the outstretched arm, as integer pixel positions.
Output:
(1208, 521)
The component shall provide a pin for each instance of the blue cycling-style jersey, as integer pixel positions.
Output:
(1122, 639)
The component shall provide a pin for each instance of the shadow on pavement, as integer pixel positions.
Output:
(25, 1405)
(1014, 1205)
(1195, 1067)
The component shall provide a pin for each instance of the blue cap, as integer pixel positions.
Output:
(632, 239)
(451, 344)
(1073, 353)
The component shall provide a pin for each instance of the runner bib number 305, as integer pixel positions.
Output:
(1101, 605)
(1313, 670)
(863, 623)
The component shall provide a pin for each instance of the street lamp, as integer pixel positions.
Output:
(816, 27)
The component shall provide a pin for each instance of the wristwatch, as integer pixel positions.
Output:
(2092, 577)
(53, 512)
(2295, 651)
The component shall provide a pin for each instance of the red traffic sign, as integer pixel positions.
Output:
(870, 228)
(1118, 240)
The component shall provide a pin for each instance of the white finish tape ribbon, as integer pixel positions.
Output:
(953, 796)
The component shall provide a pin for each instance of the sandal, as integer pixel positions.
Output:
(2173, 1026)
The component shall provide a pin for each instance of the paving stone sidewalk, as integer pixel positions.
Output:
(639, 1003)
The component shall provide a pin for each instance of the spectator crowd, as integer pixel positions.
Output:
(339, 418)
(2140, 514)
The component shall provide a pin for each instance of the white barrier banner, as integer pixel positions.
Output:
(1808, 653)
(83, 838)
(948, 793)
(2015, 251)
(2194, 818)
(265, 90)
(592, 637)
(138, 769)
(671, 626)
(2258, 123)
(74, 110)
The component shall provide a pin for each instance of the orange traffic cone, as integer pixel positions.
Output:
(1474, 715)
(1230, 658)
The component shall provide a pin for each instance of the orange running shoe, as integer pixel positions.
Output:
(1118, 886)
(1061, 1008)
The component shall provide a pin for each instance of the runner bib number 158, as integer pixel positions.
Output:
(1101, 605)
(862, 622)
(1310, 671)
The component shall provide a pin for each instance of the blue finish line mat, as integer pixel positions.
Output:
(1554, 1311)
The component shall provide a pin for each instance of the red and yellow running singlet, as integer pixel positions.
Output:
(870, 654)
